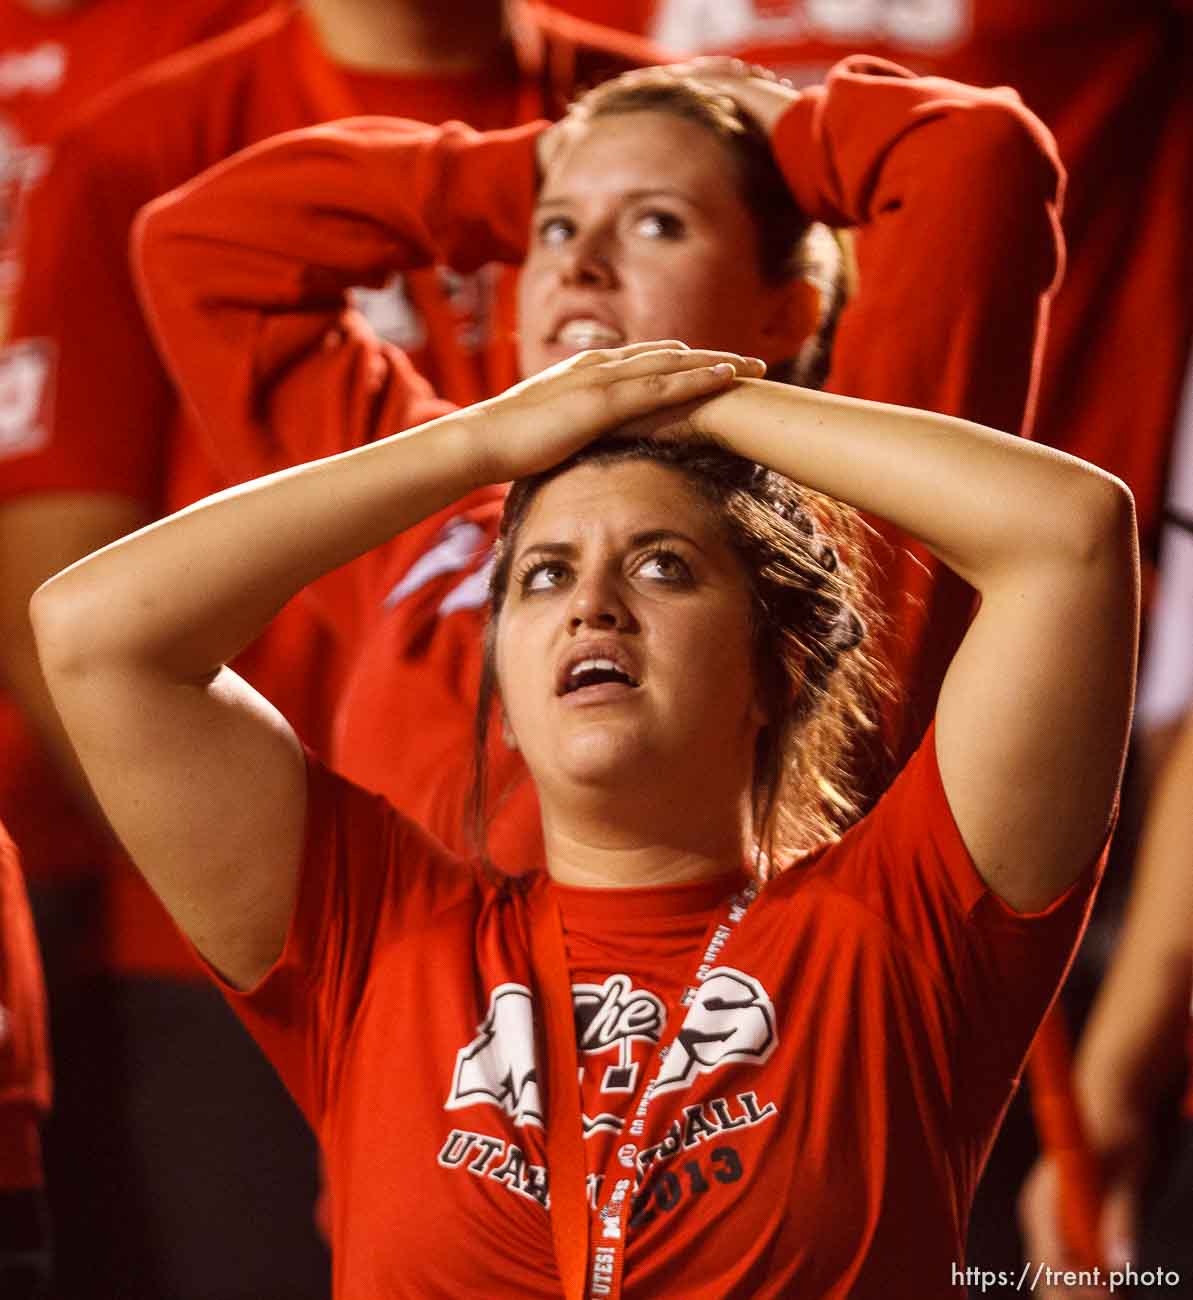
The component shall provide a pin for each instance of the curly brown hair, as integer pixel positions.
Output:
(790, 246)
(810, 611)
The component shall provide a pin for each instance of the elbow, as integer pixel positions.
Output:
(149, 245)
(160, 251)
(1006, 180)
(1002, 144)
(1094, 527)
(1105, 516)
(61, 630)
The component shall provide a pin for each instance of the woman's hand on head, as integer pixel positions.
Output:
(543, 420)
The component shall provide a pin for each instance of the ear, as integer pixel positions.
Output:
(792, 318)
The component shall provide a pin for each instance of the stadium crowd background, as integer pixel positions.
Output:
(170, 1163)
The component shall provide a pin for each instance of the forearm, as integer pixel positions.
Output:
(186, 594)
(986, 503)
(295, 221)
(1132, 1044)
(245, 275)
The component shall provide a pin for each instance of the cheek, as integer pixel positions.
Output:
(699, 305)
(530, 317)
(518, 687)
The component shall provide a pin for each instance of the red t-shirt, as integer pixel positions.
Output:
(24, 1052)
(1114, 82)
(826, 1109)
(92, 409)
(246, 273)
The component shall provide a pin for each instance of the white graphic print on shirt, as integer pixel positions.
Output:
(731, 1019)
(700, 26)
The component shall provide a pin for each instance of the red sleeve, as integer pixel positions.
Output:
(245, 274)
(83, 398)
(368, 874)
(908, 863)
(954, 193)
(246, 271)
(24, 1055)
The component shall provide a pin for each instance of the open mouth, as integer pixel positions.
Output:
(595, 672)
(584, 332)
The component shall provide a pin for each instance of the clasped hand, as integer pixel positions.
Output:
(543, 420)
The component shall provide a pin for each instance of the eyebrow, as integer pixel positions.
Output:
(654, 191)
(569, 550)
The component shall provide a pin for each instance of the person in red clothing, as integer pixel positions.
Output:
(1136, 1046)
(1114, 83)
(790, 1081)
(247, 270)
(99, 444)
(55, 55)
(24, 1089)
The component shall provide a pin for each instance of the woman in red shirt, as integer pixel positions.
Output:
(791, 1068)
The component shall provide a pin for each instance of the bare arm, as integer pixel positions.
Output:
(1033, 715)
(203, 781)
(1132, 1044)
(1136, 1028)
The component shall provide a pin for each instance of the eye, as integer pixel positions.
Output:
(657, 224)
(555, 230)
(546, 575)
(665, 566)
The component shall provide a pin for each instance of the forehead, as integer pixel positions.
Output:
(616, 502)
(642, 149)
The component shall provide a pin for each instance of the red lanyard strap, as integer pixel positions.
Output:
(583, 1239)
(566, 1164)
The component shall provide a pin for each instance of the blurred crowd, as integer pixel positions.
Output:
(162, 1158)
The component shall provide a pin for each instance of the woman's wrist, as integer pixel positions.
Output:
(461, 445)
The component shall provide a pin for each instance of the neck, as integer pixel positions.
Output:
(410, 36)
(597, 852)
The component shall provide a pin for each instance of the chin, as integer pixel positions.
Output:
(605, 757)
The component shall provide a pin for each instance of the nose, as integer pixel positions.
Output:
(588, 262)
(597, 603)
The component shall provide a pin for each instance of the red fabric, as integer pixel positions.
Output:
(50, 66)
(886, 1002)
(1114, 82)
(109, 420)
(246, 274)
(24, 1052)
